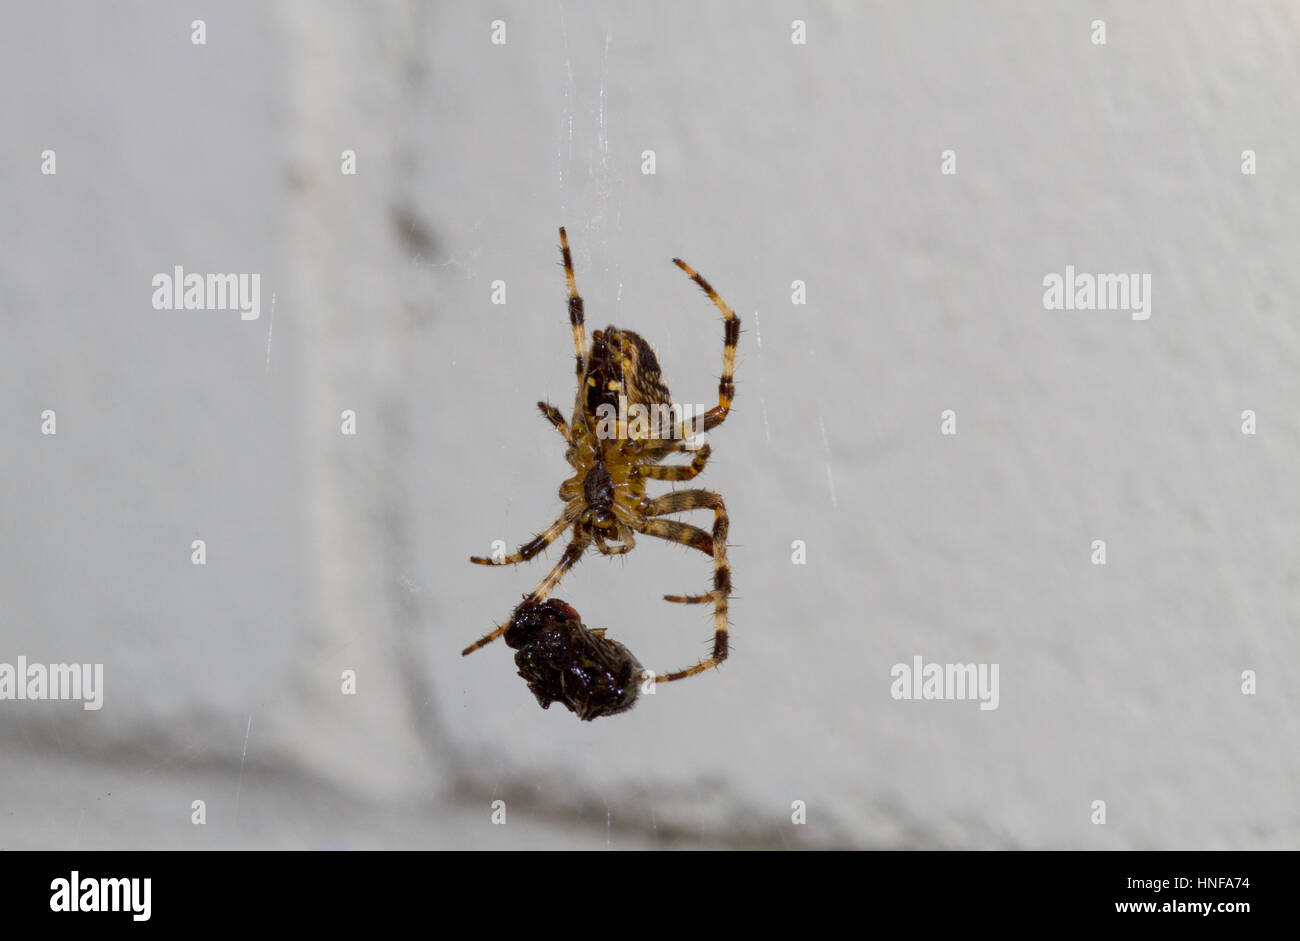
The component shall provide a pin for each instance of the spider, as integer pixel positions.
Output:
(605, 501)
(564, 661)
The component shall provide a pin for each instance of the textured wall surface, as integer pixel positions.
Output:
(775, 161)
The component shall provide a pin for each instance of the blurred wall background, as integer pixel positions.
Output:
(775, 161)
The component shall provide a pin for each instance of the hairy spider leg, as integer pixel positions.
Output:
(552, 415)
(676, 472)
(576, 318)
(731, 336)
(530, 548)
(677, 502)
(572, 553)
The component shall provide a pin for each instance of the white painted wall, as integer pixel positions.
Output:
(775, 163)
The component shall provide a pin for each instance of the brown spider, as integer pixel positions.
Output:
(605, 499)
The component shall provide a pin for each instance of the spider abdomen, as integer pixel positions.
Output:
(622, 363)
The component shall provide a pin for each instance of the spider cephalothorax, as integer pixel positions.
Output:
(605, 503)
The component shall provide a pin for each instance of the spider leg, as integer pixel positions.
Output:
(572, 553)
(552, 415)
(576, 318)
(675, 471)
(677, 502)
(685, 533)
(726, 385)
(689, 599)
(530, 548)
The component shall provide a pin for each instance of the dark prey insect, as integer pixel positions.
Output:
(565, 662)
(605, 501)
